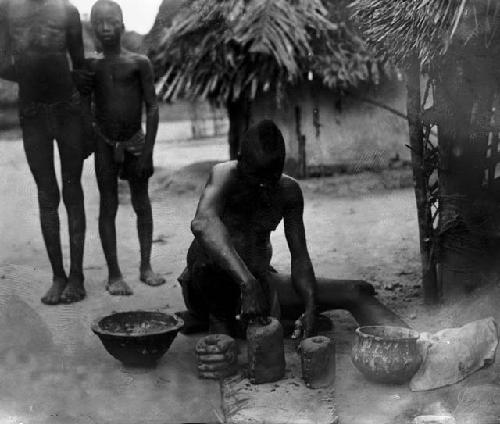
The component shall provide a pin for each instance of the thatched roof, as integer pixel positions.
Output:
(428, 27)
(223, 49)
(167, 12)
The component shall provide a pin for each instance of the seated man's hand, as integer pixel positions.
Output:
(253, 301)
(305, 326)
(84, 80)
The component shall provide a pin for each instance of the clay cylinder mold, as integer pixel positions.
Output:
(217, 356)
(318, 361)
(266, 352)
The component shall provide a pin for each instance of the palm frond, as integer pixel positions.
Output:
(428, 27)
(223, 49)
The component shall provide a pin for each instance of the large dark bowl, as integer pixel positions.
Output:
(137, 338)
(386, 354)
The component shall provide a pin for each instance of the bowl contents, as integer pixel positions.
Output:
(145, 327)
(137, 338)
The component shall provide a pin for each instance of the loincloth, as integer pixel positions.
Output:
(207, 287)
(134, 145)
(31, 109)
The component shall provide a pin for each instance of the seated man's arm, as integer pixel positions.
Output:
(303, 277)
(215, 239)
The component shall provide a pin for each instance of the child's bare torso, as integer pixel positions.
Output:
(118, 95)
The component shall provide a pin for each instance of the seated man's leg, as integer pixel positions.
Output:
(211, 298)
(196, 318)
(39, 148)
(71, 152)
(356, 296)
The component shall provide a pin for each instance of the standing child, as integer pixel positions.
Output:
(123, 84)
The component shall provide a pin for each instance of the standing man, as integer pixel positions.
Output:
(123, 86)
(36, 37)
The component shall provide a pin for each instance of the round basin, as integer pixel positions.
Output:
(137, 338)
(385, 354)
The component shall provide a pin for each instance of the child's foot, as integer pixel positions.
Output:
(53, 295)
(118, 287)
(74, 290)
(150, 278)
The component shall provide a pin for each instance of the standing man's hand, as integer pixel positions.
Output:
(84, 81)
(253, 301)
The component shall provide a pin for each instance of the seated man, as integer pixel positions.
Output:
(228, 264)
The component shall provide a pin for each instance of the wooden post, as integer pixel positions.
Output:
(429, 280)
(301, 139)
(238, 122)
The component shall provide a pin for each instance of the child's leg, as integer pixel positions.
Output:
(107, 181)
(142, 208)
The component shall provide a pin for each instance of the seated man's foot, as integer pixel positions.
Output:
(74, 291)
(118, 287)
(192, 324)
(150, 278)
(323, 323)
(53, 296)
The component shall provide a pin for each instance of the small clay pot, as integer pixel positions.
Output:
(318, 361)
(386, 354)
(266, 351)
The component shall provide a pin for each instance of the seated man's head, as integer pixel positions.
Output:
(262, 154)
(106, 18)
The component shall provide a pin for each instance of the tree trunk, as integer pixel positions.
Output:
(238, 112)
(462, 248)
(420, 182)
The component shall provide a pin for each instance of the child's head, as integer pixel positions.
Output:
(106, 18)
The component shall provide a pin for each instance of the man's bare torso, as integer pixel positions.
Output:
(250, 215)
(37, 36)
(118, 95)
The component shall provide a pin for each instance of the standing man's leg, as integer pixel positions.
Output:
(71, 152)
(107, 181)
(39, 148)
(142, 208)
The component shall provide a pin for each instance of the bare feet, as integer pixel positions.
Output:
(150, 278)
(53, 296)
(118, 287)
(74, 290)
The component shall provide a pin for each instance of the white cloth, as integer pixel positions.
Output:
(452, 354)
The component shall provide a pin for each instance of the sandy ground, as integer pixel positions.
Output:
(360, 226)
